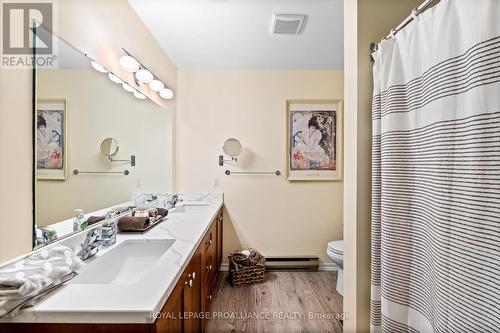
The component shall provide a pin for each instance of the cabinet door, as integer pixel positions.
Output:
(170, 320)
(192, 290)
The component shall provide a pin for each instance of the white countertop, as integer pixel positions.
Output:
(134, 303)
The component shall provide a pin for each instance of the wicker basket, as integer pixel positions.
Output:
(246, 275)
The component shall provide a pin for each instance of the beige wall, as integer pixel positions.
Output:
(366, 21)
(97, 109)
(265, 212)
(100, 28)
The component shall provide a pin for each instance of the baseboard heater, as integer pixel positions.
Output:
(292, 263)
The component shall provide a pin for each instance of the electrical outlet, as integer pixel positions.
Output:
(139, 182)
(215, 182)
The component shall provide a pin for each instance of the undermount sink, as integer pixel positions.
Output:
(125, 264)
(190, 206)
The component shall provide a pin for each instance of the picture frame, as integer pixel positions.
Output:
(51, 139)
(314, 136)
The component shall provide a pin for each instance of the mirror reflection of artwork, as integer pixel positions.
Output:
(50, 140)
(313, 140)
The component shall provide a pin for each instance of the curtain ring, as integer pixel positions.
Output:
(414, 14)
(393, 34)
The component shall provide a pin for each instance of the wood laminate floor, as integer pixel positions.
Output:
(284, 303)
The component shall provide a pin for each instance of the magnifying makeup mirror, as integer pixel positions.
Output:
(109, 147)
(232, 147)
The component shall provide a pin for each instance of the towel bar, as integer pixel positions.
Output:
(124, 172)
(276, 173)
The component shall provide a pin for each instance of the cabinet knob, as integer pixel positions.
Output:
(209, 297)
(189, 283)
(209, 242)
(194, 275)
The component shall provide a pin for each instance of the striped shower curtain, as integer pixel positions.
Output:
(436, 173)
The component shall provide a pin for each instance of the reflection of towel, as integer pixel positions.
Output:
(153, 212)
(162, 211)
(26, 281)
(133, 223)
(95, 219)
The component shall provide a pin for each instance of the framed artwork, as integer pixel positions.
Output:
(51, 139)
(314, 139)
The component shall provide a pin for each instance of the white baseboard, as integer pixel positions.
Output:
(324, 266)
(328, 266)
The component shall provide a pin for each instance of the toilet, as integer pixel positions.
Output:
(335, 251)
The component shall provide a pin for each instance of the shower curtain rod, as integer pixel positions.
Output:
(417, 11)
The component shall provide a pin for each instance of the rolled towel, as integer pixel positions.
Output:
(133, 223)
(153, 212)
(162, 211)
(95, 219)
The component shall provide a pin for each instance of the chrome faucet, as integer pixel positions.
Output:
(91, 245)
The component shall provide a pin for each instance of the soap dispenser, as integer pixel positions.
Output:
(79, 223)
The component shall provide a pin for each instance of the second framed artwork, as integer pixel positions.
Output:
(314, 139)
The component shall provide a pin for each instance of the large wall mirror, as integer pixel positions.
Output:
(95, 145)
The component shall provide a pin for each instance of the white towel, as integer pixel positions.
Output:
(28, 280)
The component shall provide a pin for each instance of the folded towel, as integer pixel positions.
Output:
(162, 211)
(153, 212)
(133, 223)
(24, 282)
(95, 219)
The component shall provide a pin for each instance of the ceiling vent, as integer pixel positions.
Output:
(288, 24)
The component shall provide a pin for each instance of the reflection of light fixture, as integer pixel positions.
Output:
(98, 67)
(166, 93)
(156, 85)
(143, 75)
(114, 78)
(129, 64)
(139, 95)
(127, 87)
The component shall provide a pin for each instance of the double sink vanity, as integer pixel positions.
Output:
(162, 280)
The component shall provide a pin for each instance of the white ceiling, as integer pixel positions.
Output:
(237, 33)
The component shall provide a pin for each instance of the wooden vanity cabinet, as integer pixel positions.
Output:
(187, 303)
(196, 288)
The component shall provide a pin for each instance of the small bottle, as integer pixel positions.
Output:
(108, 230)
(79, 223)
(138, 196)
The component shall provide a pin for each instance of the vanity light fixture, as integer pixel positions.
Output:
(129, 64)
(166, 93)
(156, 85)
(144, 76)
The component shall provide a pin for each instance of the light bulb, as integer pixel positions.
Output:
(129, 63)
(114, 78)
(139, 95)
(143, 75)
(98, 67)
(166, 93)
(127, 87)
(156, 85)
